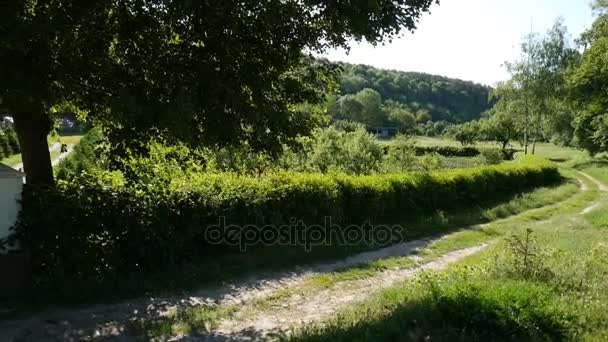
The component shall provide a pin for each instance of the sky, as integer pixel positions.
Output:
(470, 39)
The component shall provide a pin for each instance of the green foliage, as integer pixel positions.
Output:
(90, 231)
(401, 156)
(88, 156)
(448, 151)
(371, 102)
(526, 259)
(431, 162)
(9, 143)
(433, 128)
(536, 96)
(354, 152)
(492, 156)
(452, 307)
(148, 67)
(588, 87)
(348, 126)
(403, 119)
(442, 98)
(466, 134)
(364, 107)
(501, 126)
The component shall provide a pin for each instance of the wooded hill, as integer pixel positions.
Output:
(445, 99)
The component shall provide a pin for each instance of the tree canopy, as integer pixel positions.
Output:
(210, 72)
(588, 83)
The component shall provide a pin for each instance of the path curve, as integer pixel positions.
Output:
(53, 148)
(600, 186)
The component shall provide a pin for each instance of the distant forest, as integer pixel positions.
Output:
(427, 97)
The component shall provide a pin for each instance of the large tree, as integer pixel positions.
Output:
(588, 84)
(539, 79)
(212, 72)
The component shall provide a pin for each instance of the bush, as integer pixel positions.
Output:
(354, 152)
(348, 126)
(401, 156)
(431, 162)
(492, 155)
(88, 156)
(86, 231)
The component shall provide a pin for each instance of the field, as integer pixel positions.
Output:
(545, 150)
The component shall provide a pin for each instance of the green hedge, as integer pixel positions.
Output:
(82, 231)
(456, 151)
(448, 151)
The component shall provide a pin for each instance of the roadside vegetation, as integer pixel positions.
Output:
(230, 178)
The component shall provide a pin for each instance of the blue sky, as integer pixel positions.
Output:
(470, 39)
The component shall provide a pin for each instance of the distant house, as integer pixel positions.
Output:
(385, 132)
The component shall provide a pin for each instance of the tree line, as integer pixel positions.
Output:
(9, 144)
(557, 92)
(407, 97)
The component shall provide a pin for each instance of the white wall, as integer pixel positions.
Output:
(10, 192)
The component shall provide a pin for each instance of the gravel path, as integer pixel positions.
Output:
(299, 310)
(53, 148)
(62, 156)
(601, 187)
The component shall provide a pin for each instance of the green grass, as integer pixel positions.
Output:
(68, 140)
(466, 237)
(180, 322)
(545, 150)
(560, 294)
(12, 160)
(462, 162)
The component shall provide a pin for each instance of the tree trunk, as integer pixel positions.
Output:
(32, 130)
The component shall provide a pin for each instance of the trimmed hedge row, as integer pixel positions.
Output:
(448, 151)
(9, 144)
(455, 151)
(86, 232)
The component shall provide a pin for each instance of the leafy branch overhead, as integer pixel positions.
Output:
(207, 72)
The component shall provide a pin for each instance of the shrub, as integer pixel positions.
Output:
(354, 152)
(348, 126)
(401, 156)
(87, 231)
(492, 155)
(88, 156)
(431, 162)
